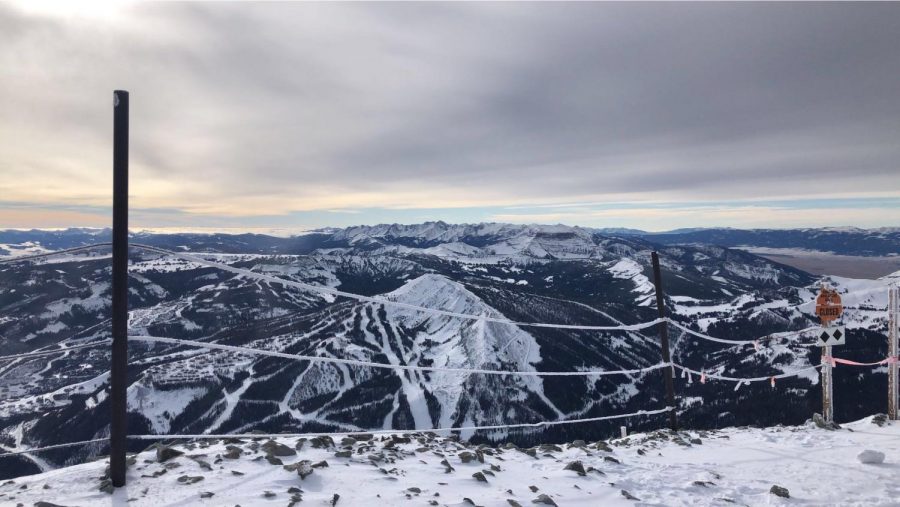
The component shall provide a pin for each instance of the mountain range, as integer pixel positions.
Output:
(523, 273)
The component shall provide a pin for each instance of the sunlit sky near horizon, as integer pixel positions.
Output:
(292, 116)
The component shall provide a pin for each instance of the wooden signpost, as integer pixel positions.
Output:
(828, 308)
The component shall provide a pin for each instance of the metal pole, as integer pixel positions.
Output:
(119, 368)
(893, 367)
(664, 342)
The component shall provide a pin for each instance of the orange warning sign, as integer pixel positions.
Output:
(828, 305)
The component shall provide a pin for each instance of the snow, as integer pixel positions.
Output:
(628, 269)
(159, 407)
(726, 467)
(22, 249)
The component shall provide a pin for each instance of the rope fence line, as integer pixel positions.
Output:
(354, 362)
(757, 341)
(396, 431)
(740, 380)
(50, 447)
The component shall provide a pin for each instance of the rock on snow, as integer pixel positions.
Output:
(871, 457)
(732, 466)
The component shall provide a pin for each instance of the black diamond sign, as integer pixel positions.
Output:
(832, 336)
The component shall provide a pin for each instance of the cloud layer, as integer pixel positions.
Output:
(245, 110)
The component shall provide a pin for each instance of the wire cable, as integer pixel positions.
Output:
(398, 431)
(354, 362)
(772, 336)
(747, 379)
(57, 446)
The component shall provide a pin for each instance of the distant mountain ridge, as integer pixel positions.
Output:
(852, 241)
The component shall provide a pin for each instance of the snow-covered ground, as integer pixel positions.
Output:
(736, 466)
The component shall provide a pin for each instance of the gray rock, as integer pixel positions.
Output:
(334, 499)
(819, 421)
(303, 468)
(343, 454)
(544, 499)
(629, 496)
(47, 504)
(276, 449)
(207, 494)
(466, 456)
(106, 486)
(870, 457)
(780, 491)
(232, 452)
(479, 477)
(603, 446)
(322, 442)
(273, 460)
(189, 479)
(448, 468)
(164, 453)
(204, 465)
(577, 467)
(513, 502)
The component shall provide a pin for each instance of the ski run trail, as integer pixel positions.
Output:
(733, 466)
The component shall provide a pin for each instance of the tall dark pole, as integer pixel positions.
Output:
(119, 368)
(664, 342)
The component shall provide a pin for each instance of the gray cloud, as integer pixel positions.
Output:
(498, 102)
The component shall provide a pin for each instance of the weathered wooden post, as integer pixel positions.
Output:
(119, 367)
(829, 308)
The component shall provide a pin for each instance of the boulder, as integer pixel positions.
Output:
(164, 453)
(577, 467)
(780, 491)
(871, 457)
(275, 449)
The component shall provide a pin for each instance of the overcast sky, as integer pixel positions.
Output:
(291, 116)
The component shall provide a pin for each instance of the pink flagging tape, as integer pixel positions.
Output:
(837, 360)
